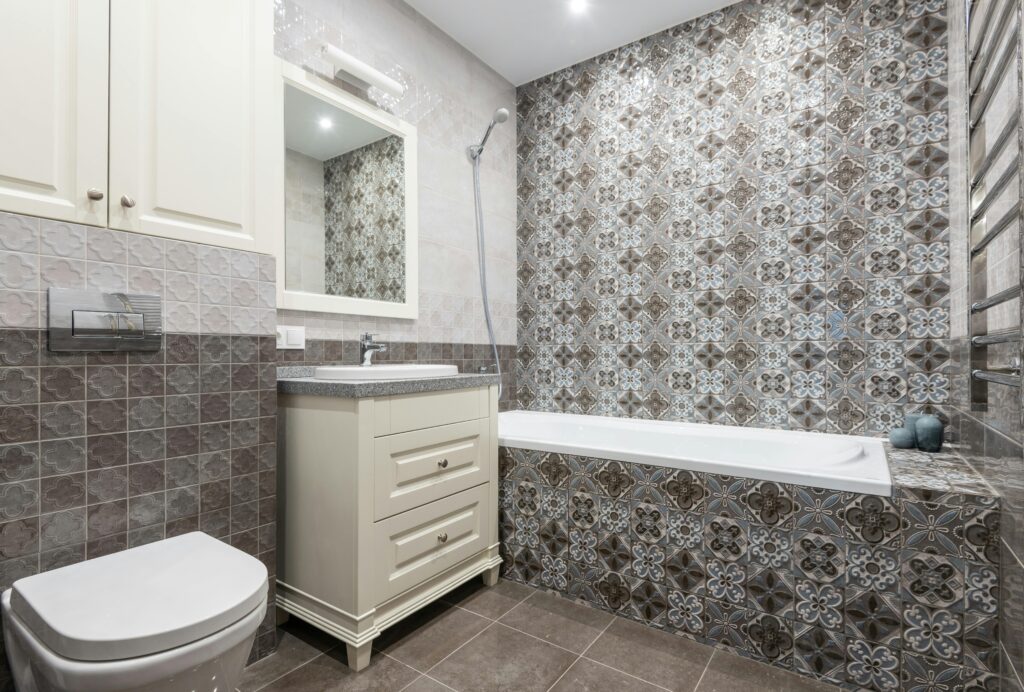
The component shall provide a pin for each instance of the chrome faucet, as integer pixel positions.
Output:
(367, 347)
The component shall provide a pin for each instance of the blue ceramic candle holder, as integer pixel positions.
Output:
(910, 423)
(929, 433)
(902, 438)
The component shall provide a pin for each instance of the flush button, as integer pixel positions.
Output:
(130, 325)
(89, 323)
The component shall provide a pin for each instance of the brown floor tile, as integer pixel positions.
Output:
(425, 684)
(590, 676)
(298, 643)
(560, 621)
(501, 658)
(659, 657)
(424, 638)
(489, 601)
(729, 672)
(330, 673)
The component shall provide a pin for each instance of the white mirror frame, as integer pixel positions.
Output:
(310, 83)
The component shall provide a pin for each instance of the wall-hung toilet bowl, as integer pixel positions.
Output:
(176, 615)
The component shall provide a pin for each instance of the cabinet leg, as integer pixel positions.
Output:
(359, 656)
(491, 576)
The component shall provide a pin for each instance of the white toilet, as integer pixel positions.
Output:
(180, 614)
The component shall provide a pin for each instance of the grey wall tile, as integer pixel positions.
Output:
(99, 451)
(19, 499)
(19, 462)
(62, 492)
(64, 528)
(106, 485)
(62, 456)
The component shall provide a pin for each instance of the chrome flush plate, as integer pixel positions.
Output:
(98, 321)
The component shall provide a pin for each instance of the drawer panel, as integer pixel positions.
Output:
(400, 413)
(414, 468)
(416, 545)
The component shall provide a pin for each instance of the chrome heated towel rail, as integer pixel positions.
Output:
(996, 143)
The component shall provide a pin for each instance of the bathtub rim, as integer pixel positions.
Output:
(879, 482)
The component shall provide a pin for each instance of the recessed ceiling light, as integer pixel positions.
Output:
(577, 6)
(326, 123)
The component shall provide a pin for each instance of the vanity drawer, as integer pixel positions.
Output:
(414, 468)
(401, 413)
(411, 547)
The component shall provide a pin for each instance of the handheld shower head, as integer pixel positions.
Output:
(475, 151)
(500, 116)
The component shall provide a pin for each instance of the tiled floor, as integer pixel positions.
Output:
(512, 638)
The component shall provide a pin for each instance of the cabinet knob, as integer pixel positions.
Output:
(443, 463)
(127, 202)
(442, 537)
(94, 194)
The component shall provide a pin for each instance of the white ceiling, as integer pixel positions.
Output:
(526, 39)
(303, 133)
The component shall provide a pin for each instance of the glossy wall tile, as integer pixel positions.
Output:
(742, 220)
(104, 451)
(450, 97)
(204, 289)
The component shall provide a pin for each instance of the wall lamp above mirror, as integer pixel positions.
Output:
(348, 241)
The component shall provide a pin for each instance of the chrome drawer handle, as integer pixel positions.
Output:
(94, 194)
(442, 537)
(443, 463)
(127, 202)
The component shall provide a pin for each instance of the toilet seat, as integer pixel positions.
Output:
(178, 614)
(205, 659)
(141, 601)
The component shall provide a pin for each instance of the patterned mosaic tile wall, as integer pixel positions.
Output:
(364, 222)
(468, 358)
(103, 451)
(742, 220)
(860, 590)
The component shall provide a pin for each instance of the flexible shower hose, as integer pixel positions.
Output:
(481, 253)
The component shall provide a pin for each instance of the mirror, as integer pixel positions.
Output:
(349, 203)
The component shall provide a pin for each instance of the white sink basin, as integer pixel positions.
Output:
(373, 373)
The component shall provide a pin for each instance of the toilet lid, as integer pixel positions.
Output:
(143, 600)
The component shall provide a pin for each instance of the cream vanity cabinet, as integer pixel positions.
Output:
(140, 115)
(386, 503)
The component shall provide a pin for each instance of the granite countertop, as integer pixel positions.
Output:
(300, 380)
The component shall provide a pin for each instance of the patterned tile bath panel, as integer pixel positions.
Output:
(742, 220)
(864, 591)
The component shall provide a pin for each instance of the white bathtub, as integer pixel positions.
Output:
(835, 462)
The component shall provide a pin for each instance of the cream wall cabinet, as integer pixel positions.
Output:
(191, 88)
(189, 127)
(386, 504)
(53, 121)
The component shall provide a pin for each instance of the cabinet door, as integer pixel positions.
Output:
(190, 129)
(53, 121)
(414, 546)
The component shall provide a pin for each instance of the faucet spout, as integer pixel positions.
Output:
(368, 347)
